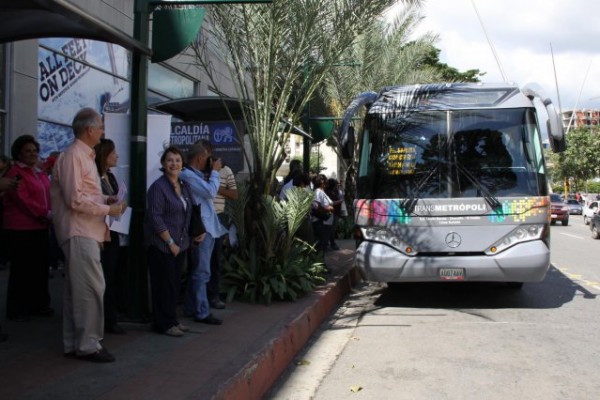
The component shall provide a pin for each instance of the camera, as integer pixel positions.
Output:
(209, 165)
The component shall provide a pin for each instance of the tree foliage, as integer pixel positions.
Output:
(580, 161)
(386, 54)
(448, 73)
(277, 55)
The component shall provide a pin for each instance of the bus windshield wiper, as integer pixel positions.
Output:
(489, 198)
(409, 203)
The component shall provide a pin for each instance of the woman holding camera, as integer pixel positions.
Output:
(26, 220)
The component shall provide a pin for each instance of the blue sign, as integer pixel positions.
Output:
(223, 137)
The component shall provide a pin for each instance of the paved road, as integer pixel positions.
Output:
(464, 341)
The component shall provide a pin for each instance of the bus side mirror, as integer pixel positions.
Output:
(348, 143)
(556, 132)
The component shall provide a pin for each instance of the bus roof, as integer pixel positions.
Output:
(449, 96)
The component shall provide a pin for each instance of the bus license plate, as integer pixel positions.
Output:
(452, 274)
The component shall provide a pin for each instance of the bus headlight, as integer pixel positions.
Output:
(522, 233)
(387, 237)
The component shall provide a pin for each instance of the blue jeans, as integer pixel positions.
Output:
(196, 300)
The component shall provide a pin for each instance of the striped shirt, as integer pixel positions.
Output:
(165, 211)
(227, 180)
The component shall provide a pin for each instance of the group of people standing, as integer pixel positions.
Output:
(327, 207)
(76, 201)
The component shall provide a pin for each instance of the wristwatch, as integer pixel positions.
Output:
(170, 241)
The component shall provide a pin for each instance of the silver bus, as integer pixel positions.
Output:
(451, 182)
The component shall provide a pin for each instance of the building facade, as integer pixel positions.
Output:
(44, 82)
(576, 118)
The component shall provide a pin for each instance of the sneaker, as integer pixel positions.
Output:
(174, 331)
(183, 328)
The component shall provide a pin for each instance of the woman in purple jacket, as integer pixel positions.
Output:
(26, 220)
(168, 214)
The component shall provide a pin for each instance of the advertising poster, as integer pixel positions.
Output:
(74, 73)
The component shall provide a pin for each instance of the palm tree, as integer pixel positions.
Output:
(386, 54)
(277, 55)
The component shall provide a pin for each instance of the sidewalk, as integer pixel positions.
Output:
(238, 360)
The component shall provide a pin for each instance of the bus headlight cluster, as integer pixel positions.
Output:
(520, 234)
(385, 236)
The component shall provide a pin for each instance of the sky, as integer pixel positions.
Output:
(524, 34)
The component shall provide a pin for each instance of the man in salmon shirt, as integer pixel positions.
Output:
(80, 210)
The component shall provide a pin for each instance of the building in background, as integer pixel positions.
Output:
(577, 118)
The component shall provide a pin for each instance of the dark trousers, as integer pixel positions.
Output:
(55, 254)
(27, 291)
(213, 287)
(165, 282)
(110, 266)
(322, 234)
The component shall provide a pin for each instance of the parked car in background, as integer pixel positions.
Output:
(589, 210)
(574, 207)
(559, 210)
(595, 226)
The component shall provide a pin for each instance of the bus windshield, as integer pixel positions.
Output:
(452, 154)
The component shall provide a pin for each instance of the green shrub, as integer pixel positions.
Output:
(271, 262)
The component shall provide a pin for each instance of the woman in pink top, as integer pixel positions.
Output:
(26, 220)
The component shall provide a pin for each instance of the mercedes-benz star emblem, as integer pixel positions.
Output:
(453, 240)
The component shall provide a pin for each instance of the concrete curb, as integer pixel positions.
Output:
(265, 367)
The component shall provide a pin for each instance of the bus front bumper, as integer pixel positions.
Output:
(525, 262)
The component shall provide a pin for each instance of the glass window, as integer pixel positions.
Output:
(441, 154)
(169, 83)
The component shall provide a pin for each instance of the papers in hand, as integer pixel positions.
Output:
(120, 224)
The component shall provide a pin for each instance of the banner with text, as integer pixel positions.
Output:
(222, 135)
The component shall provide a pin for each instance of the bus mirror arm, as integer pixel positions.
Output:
(346, 132)
(556, 133)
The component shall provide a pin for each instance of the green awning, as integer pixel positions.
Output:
(173, 29)
(321, 128)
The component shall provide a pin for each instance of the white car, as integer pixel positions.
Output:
(589, 210)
